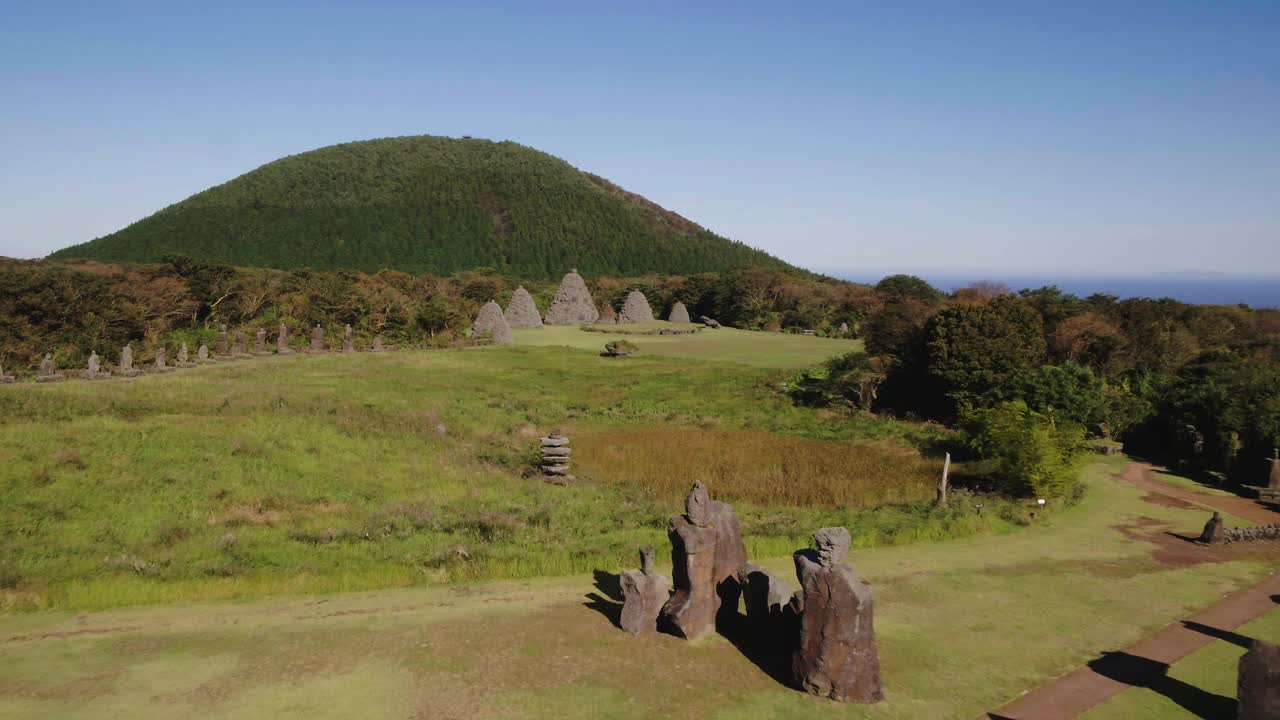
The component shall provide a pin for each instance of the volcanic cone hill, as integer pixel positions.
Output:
(426, 204)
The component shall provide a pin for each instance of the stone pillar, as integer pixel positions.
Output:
(49, 372)
(347, 345)
(644, 592)
(260, 342)
(1258, 683)
(555, 459)
(240, 346)
(317, 339)
(126, 368)
(1213, 532)
(707, 556)
(220, 347)
(282, 341)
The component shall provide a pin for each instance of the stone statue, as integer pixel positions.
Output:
(126, 368)
(644, 592)
(282, 341)
(1273, 480)
(260, 342)
(239, 348)
(94, 371)
(707, 555)
(317, 339)
(521, 312)
(161, 362)
(1213, 532)
(202, 354)
(221, 346)
(48, 372)
(377, 343)
(490, 321)
(1258, 683)
(348, 345)
(184, 358)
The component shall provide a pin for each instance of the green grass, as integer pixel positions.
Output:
(963, 626)
(332, 473)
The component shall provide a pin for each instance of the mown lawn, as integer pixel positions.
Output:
(963, 626)
(757, 349)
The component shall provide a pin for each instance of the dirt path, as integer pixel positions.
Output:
(1140, 474)
(1115, 672)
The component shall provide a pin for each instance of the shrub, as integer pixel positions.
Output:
(1029, 454)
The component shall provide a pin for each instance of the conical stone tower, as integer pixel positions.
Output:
(572, 304)
(635, 309)
(522, 313)
(490, 320)
(679, 313)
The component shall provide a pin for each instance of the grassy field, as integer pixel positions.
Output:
(758, 349)
(333, 473)
(963, 626)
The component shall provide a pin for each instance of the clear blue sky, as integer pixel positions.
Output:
(987, 137)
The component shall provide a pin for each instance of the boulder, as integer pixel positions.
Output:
(709, 322)
(348, 343)
(521, 312)
(644, 593)
(679, 313)
(619, 348)
(572, 304)
(836, 656)
(1258, 683)
(636, 309)
(1213, 532)
(490, 321)
(707, 556)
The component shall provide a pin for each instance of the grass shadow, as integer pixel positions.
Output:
(608, 599)
(763, 649)
(1146, 673)
(1243, 641)
(1193, 539)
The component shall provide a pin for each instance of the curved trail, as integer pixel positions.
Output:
(1073, 693)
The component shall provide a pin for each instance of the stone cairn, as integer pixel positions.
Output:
(490, 321)
(317, 339)
(49, 373)
(348, 345)
(679, 313)
(282, 341)
(220, 347)
(260, 342)
(644, 592)
(521, 312)
(707, 557)
(555, 459)
(161, 361)
(126, 368)
(1258, 683)
(94, 370)
(572, 304)
(6, 379)
(636, 309)
(837, 656)
(202, 355)
(184, 357)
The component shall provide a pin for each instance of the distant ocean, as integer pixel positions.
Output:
(1255, 291)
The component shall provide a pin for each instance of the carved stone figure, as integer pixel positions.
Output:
(521, 312)
(94, 370)
(572, 304)
(679, 313)
(1258, 683)
(348, 346)
(282, 341)
(239, 346)
(644, 594)
(184, 357)
(491, 321)
(48, 372)
(260, 342)
(377, 344)
(317, 339)
(126, 368)
(836, 657)
(220, 347)
(202, 354)
(707, 556)
(161, 362)
(1213, 532)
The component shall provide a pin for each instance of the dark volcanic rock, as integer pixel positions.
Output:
(707, 556)
(1258, 683)
(836, 657)
(644, 594)
(1213, 530)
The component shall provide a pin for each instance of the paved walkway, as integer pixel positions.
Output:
(1076, 692)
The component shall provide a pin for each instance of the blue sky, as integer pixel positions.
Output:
(976, 137)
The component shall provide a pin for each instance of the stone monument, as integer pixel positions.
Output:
(555, 459)
(184, 357)
(679, 313)
(707, 556)
(636, 309)
(317, 339)
(1258, 683)
(521, 312)
(377, 343)
(239, 346)
(1213, 532)
(94, 370)
(282, 341)
(49, 373)
(202, 355)
(126, 368)
(572, 304)
(836, 657)
(644, 592)
(348, 345)
(220, 347)
(491, 321)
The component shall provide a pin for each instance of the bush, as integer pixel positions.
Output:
(1029, 454)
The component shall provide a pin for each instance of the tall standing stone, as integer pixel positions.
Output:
(348, 345)
(1213, 532)
(240, 346)
(636, 309)
(282, 341)
(126, 368)
(679, 313)
(184, 357)
(572, 304)
(260, 342)
(707, 556)
(1258, 683)
(521, 312)
(317, 339)
(94, 369)
(48, 371)
(161, 362)
(1273, 479)
(837, 656)
(491, 321)
(643, 594)
(220, 347)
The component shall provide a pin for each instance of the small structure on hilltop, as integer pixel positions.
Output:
(348, 344)
(679, 313)
(837, 656)
(282, 341)
(220, 347)
(644, 592)
(126, 368)
(6, 379)
(636, 309)
(521, 312)
(707, 556)
(49, 373)
(555, 459)
(491, 322)
(572, 304)
(94, 370)
(184, 358)
(317, 339)
(1258, 683)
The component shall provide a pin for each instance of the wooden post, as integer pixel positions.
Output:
(942, 485)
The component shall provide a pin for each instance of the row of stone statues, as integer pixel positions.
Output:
(827, 625)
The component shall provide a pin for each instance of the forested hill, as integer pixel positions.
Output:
(426, 204)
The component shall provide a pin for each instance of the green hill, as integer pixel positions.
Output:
(424, 204)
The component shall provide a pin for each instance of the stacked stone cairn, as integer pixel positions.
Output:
(184, 357)
(1258, 683)
(5, 379)
(94, 370)
(126, 368)
(572, 304)
(636, 309)
(162, 360)
(491, 322)
(679, 313)
(49, 373)
(220, 347)
(644, 592)
(282, 341)
(707, 557)
(348, 344)
(555, 459)
(317, 339)
(521, 312)
(260, 342)
(202, 355)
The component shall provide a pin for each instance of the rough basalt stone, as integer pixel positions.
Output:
(1258, 683)
(709, 322)
(836, 656)
(522, 312)
(490, 321)
(317, 340)
(1213, 531)
(202, 354)
(282, 341)
(636, 309)
(644, 593)
(707, 555)
(572, 304)
(679, 313)
(126, 367)
(220, 347)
